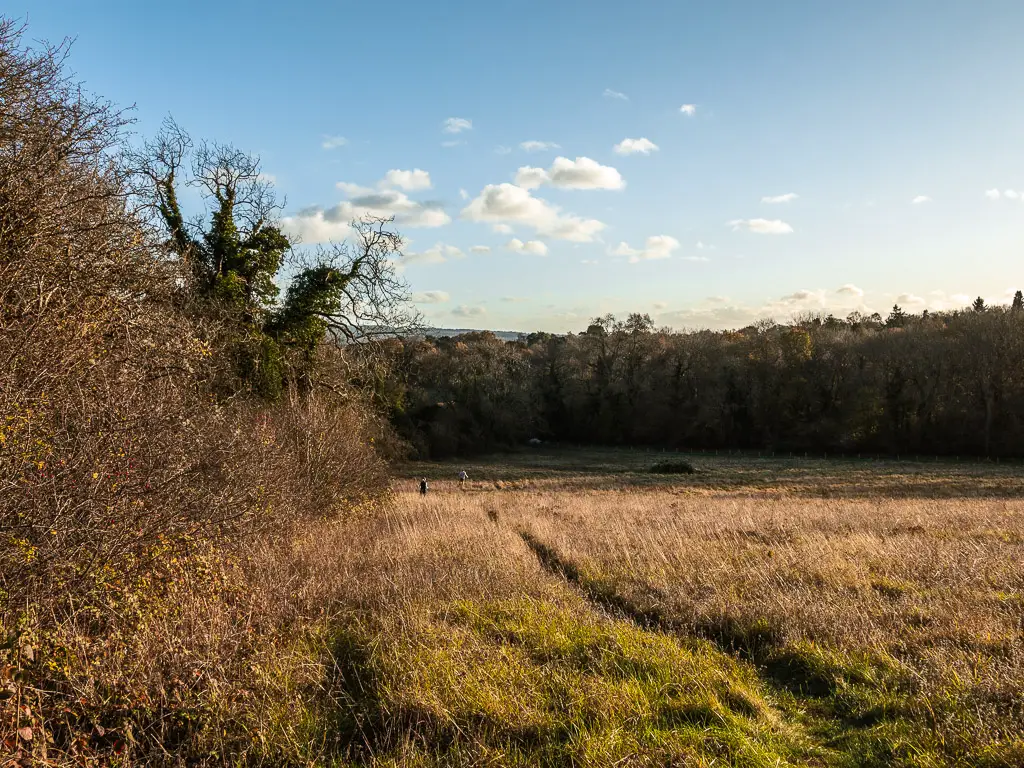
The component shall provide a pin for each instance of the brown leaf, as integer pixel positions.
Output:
(25, 733)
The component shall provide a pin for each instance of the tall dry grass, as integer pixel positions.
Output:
(897, 622)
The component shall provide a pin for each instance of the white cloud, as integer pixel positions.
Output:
(786, 198)
(610, 94)
(464, 194)
(1009, 194)
(438, 254)
(581, 173)
(391, 202)
(457, 125)
(430, 297)
(333, 142)
(538, 146)
(762, 226)
(503, 203)
(535, 247)
(501, 149)
(502, 229)
(480, 249)
(659, 305)
(909, 299)
(353, 190)
(850, 290)
(688, 109)
(407, 180)
(514, 299)
(656, 247)
(467, 311)
(633, 146)
(450, 144)
(696, 258)
(921, 199)
(313, 225)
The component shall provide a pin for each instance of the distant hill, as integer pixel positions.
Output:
(503, 335)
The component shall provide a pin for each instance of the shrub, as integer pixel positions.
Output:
(673, 467)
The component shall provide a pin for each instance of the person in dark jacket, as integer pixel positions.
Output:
(423, 487)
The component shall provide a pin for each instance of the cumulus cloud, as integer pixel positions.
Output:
(688, 109)
(501, 204)
(315, 225)
(318, 225)
(719, 312)
(408, 180)
(390, 202)
(909, 299)
(850, 290)
(762, 226)
(430, 297)
(457, 125)
(502, 229)
(775, 199)
(634, 146)
(1009, 194)
(333, 142)
(618, 95)
(538, 146)
(581, 173)
(921, 199)
(469, 311)
(535, 247)
(353, 190)
(480, 249)
(438, 254)
(656, 247)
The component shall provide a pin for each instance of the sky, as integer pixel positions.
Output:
(551, 161)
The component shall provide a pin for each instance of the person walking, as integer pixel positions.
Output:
(423, 487)
(463, 477)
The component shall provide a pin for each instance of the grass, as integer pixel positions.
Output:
(572, 609)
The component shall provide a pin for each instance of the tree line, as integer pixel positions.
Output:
(935, 383)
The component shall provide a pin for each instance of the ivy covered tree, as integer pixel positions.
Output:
(236, 256)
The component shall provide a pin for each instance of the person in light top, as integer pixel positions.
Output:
(463, 477)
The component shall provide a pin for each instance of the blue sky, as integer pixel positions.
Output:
(890, 135)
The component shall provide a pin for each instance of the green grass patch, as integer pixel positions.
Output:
(533, 683)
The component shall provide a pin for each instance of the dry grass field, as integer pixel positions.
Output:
(573, 609)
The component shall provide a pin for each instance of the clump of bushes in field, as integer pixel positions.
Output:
(673, 467)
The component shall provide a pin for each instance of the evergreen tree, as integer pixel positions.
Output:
(978, 305)
(897, 317)
(1018, 302)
